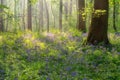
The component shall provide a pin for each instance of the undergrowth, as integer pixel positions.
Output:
(57, 56)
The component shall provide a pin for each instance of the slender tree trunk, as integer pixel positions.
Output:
(66, 9)
(1, 17)
(15, 15)
(70, 11)
(81, 16)
(99, 25)
(23, 17)
(60, 15)
(53, 15)
(71, 7)
(41, 15)
(29, 4)
(47, 14)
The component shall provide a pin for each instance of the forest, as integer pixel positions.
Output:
(59, 39)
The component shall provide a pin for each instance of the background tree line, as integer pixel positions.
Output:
(46, 15)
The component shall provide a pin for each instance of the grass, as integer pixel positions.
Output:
(57, 56)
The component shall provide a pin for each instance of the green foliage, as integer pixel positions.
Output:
(4, 7)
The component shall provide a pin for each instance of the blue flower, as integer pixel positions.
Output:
(48, 78)
(74, 74)
(68, 69)
(84, 78)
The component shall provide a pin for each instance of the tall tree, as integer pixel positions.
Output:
(99, 25)
(53, 14)
(23, 15)
(47, 14)
(71, 4)
(29, 18)
(41, 15)
(81, 16)
(66, 9)
(60, 15)
(1, 17)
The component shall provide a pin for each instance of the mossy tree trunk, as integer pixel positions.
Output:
(99, 25)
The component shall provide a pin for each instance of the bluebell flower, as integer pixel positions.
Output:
(118, 52)
(84, 78)
(68, 69)
(74, 74)
(48, 78)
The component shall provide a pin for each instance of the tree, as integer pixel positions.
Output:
(29, 18)
(41, 15)
(23, 16)
(47, 14)
(81, 16)
(99, 25)
(66, 9)
(60, 15)
(53, 15)
(1, 17)
(70, 7)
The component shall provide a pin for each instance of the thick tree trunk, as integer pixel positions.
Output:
(29, 15)
(99, 25)
(81, 17)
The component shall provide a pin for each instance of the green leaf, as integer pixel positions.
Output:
(3, 6)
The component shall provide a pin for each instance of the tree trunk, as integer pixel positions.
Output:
(66, 10)
(41, 15)
(1, 17)
(53, 15)
(47, 14)
(29, 4)
(70, 7)
(81, 16)
(60, 15)
(114, 15)
(23, 17)
(99, 25)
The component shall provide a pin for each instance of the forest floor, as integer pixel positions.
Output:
(57, 56)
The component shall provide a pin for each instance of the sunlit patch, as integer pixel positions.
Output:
(31, 41)
(1, 37)
(41, 44)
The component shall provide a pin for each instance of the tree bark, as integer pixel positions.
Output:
(23, 17)
(81, 16)
(47, 14)
(99, 25)
(29, 4)
(66, 9)
(60, 15)
(41, 15)
(53, 15)
(70, 7)
(1, 17)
